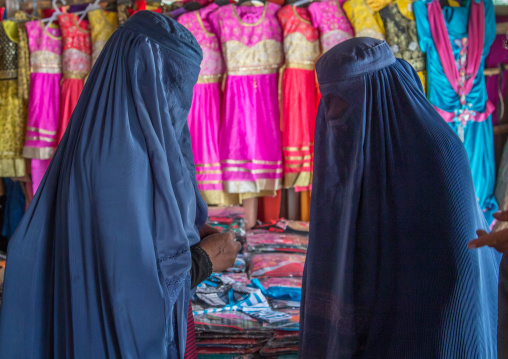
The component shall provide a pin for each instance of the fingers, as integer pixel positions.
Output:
(493, 239)
(501, 216)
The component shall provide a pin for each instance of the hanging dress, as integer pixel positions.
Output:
(456, 42)
(44, 106)
(102, 25)
(77, 51)
(205, 114)
(12, 111)
(333, 25)
(250, 137)
(400, 27)
(301, 49)
(366, 22)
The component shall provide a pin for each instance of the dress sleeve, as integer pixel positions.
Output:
(422, 24)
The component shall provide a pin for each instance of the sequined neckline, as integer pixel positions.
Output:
(298, 15)
(247, 23)
(43, 27)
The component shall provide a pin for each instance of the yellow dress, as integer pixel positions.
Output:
(103, 24)
(365, 21)
(12, 109)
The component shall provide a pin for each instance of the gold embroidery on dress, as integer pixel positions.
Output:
(263, 58)
(46, 62)
(299, 50)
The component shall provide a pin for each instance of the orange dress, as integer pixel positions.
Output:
(301, 49)
(76, 59)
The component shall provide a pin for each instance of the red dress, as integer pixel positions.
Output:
(301, 49)
(76, 61)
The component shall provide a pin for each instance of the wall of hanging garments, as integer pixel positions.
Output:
(254, 106)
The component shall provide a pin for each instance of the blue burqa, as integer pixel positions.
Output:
(99, 266)
(388, 271)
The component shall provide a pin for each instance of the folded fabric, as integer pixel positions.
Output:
(259, 241)
(279, 292)
(227, 322)
(277, 265)
(219, 293)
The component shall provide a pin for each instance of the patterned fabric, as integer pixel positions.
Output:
(103, 24)
(206, 103)
(366, 22)
(76, 61)
(402, 37)
(250, 139)
(277, 265)
(190, 343)
(477, 135)
(301, 49)
(251, 39)
(334, 27)
(44, 106)
(23, 57)
(12, 111)
(122, 13)
(76, 46)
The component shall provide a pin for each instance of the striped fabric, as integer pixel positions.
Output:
(190, 347)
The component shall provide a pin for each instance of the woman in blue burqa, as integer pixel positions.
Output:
(103, 261)
(388, 271)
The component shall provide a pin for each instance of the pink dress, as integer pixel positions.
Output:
(44, 107)
(250, 136)
(333, 25)
(205, 113)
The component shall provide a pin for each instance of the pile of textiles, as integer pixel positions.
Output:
(228, 219)
(255, 314)
(276, 261)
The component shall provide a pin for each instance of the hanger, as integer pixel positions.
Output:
(302, 2)
(92, 6)
(55, 15)
(253, 2)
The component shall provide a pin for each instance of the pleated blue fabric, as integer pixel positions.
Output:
(388, 271)
(100, 264)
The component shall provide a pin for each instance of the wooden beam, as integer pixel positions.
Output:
(501, 28)
(493, 71)
(500, 129)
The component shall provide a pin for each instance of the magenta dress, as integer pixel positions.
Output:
(497, 55)
(333, 25)
(205, 113)
(250, 136)
(44, 107)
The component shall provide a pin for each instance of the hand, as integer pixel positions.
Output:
(222, 250)
(207, 230)
(496, 240)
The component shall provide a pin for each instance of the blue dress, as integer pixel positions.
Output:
(99, 266)
(478, 136)
(388, 272)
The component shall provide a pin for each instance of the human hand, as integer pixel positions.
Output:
(222, 250)
(496, 240)
(207, 230)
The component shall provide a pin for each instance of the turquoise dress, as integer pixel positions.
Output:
(477, 136)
